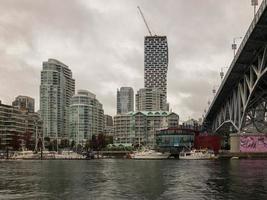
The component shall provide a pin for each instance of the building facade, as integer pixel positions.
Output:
(150, 99)
(108, 120)
(140, 127)
(123, 129)
(24, 103)
(56, 89)
(178, 138)
(156, 63)
(125, 100)
(86, 117)
(192, 124)
(17, 126)
(108, 125)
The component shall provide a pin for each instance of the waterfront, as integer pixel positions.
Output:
(131, 179)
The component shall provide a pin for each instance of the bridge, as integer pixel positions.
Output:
(240, 104)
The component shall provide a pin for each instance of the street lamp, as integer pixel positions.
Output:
(222, 73)
(234, 46)
(254, 3)
(214, 91)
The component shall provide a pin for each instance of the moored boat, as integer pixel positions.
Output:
(149, 154)
(201, 154)
(24, 155)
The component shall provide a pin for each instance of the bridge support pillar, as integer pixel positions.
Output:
(234, 143)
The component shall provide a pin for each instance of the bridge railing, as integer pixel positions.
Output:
(240, 49)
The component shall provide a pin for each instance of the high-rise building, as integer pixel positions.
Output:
(125, 100)
(86, 117)
(24, 103)
(156, 62)
(150, 99)
(56, 89)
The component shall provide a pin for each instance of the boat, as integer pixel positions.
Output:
(149, 154)
(24, 155)
(201, 154)
(234, 158)
(69, 155)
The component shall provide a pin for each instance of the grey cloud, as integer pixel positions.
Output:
(102, 42)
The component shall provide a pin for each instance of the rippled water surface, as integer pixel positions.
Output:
(130, 179)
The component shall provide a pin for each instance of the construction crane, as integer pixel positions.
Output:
(141, 13)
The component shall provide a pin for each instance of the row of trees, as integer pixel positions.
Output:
(27, 141)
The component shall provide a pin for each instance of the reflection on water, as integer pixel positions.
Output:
(130, 179)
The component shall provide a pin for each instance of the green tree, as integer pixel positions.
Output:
(87, 145)
(64, 143)
(72, 144)
(54, 145)
(101, 141)
(15, 142)
(94, 143)
(28, 140)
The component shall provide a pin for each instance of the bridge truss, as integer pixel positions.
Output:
(240, 104)
(245, 109)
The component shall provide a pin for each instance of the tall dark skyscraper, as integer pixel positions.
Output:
(156, 62)
(125, 100)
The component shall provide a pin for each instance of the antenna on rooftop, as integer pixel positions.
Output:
(142, 15)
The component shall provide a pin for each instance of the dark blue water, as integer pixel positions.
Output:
(130, 179)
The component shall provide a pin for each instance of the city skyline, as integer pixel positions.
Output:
(76, 36)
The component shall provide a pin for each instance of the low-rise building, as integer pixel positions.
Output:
(17, 125)
(123, 129)
(178, 138)
(140, 127)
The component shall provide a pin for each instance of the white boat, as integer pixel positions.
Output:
(149, 154)
(24, 155)
(68, 155)
(201, 154)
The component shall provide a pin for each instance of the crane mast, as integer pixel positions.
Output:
(142, 15)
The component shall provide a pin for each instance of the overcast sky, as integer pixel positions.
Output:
(102, 41)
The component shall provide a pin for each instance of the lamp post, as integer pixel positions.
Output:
(222, 72)
(254, 3)
(214, 90)
(36, 137)
(234, 46)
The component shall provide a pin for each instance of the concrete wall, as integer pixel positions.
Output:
(253, 143)
(234, 143)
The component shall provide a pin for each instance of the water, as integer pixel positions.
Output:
(130, 179)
